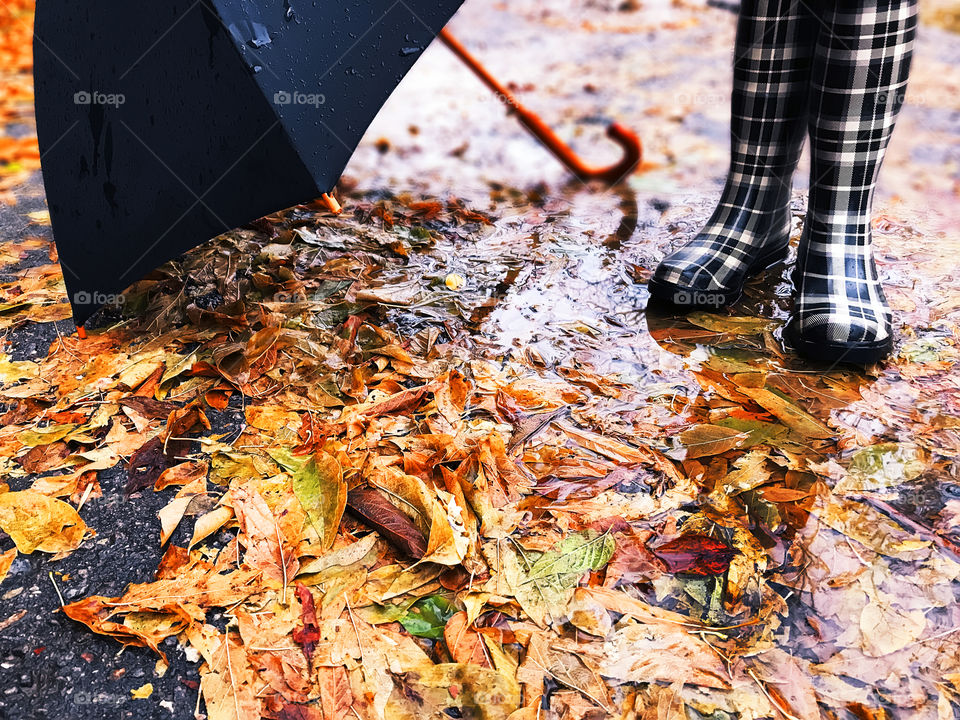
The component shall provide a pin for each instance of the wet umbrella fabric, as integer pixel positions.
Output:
(164, 124)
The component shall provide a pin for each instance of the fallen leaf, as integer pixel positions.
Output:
(706, 440)
(320, 488)
(789, 413)
(428, 617)
(465, 644)
(383, 516)
(37, 522)
(695, 555)
(142, 692)
(6, 560)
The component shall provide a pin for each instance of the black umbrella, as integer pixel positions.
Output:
(164, 123)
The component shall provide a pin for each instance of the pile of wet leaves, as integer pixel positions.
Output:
(437, 457)
(409, 520)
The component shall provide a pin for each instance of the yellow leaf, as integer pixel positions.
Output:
(6, 560)
(142, 692)
(171, 515)
(38, 522)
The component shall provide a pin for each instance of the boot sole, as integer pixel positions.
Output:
(691, 298)
(832, 353)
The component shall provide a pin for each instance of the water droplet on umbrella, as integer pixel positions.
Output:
(407, 51)
(261, 35)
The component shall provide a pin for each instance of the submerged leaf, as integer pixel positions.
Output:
(543, 587)
(788, 413)
(881, 466)
(695, 555)
(574, 556)
(706, 440)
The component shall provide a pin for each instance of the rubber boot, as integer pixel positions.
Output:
(750, 228)
(860, 71)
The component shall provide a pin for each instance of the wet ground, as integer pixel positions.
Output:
(556, 282)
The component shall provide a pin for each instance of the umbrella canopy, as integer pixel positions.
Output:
(166, 123)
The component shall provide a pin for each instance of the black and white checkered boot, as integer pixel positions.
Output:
(858, 81)
(750, 228)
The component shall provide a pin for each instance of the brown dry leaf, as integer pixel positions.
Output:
(484, 693)
(231, 685)
(336, 695)
(548, 656)
(373, 507)
(607, 447)
(706, 440)
(182, 474)
(587, 614)
(38, 522)
(435, 512)
(661, 652)
(869, 527)
(210, 522)
(164, 607)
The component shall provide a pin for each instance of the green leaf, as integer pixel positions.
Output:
(758, 432)
(287, 460)
(883, 465)
(574, 556)
(428, 617)
(543, 582)
(320, 488)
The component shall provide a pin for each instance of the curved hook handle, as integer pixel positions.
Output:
(627, 139)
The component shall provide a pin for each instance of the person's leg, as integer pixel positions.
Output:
(857, 87)
(750, 228)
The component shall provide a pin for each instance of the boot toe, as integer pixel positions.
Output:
(831, 338)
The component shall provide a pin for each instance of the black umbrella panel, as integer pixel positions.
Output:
(166, 123)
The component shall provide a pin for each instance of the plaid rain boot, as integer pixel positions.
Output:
(859, 78)
(750, 228)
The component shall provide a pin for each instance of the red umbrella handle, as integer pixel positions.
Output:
(627, 139)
